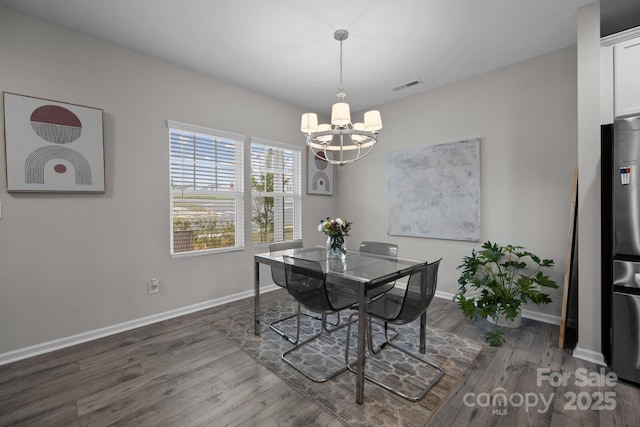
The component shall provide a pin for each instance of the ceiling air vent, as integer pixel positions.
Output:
(408, 84)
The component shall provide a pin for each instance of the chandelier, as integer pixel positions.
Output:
(341, 142)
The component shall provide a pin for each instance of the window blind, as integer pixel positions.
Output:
(207, 189)
(275, 192)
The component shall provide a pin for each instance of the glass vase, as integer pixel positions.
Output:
(336, 247)
(336, 254)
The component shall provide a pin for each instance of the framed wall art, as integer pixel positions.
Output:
(52, 146)
(320, 178)
(434, 191)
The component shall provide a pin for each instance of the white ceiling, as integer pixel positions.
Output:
(285, 48)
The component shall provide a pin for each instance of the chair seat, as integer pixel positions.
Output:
(308, 300)
(339, 298)
(389, 307)
(371, 294)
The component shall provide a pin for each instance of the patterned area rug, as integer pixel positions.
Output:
(337, 396)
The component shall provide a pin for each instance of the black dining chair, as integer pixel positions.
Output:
(400, 308)
(278, 276)
(307, 283)
(386, 249)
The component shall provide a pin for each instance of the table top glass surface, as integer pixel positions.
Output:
(358, 266)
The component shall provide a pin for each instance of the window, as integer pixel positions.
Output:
(276, 195)
(207, 194)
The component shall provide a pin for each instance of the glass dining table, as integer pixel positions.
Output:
(361, 271)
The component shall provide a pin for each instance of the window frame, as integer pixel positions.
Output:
(238, 192)
(296, 195)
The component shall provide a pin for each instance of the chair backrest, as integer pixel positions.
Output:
(306, 283)
(421, 287)
(379, 248)
(281, 246)
(277, 271)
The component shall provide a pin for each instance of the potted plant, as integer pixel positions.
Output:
(496, 280)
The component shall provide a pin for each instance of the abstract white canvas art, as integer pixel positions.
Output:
(434, 191)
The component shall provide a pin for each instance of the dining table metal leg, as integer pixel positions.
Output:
(256, 295)
(362, 333)
(423, 333)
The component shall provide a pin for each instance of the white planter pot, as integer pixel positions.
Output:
(507, 323)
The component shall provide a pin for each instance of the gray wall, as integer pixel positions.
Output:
(75, 263)
(525, 115)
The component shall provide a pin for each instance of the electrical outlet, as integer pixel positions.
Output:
(154, 286)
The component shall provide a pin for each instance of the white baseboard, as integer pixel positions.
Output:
(46, 347)
(578, 353)
(541, 317)
(589, 355)
(444, 295)
(527, 314)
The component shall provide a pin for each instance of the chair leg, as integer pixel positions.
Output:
(337, 324)
(348, 340)
(388, 342)
(323, 330)
(424, 390)
(386, 336)
(370, 337)
(283, 334)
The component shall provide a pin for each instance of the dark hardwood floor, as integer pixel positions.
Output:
(182, 372)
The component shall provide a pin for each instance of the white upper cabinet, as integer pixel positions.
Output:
(626, 60)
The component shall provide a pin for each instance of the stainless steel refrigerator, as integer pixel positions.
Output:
(625, 318)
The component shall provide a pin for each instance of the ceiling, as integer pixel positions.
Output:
(285, 48)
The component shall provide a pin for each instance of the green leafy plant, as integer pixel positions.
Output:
(181, 224)
(496, 280)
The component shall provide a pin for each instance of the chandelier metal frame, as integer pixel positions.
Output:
(341, 142)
